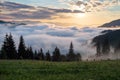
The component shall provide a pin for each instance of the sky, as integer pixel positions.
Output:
(81, 13)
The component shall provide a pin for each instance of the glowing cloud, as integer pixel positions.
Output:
(91, 5)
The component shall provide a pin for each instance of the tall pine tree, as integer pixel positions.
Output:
(8, 49)
(21, 49)
(12, 53)
(71, 55)
(4, 48)
(56, 55)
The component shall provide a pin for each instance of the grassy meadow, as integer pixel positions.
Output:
(40, 70)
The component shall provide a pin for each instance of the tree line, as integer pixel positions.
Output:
(103, 47)
(8, 51)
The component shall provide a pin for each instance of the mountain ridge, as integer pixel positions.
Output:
(114, 23)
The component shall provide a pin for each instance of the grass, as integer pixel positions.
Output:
(38, 70)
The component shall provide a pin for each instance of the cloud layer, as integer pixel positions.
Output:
(48, 36)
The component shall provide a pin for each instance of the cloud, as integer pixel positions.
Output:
(21, 11)
(1, 1)
(61, 33)
(91, 5)
(48, 36)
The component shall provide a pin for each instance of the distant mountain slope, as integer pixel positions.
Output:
(4, 22)
(11, 23)
(115, 23)
(113, 37)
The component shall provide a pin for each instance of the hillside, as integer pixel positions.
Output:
(115, 23)
(4, 22)
(11, 23)
(112, 35)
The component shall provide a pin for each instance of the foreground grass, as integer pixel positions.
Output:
(37, 70)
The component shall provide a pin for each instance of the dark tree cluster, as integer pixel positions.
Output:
(103, 45)
(9, 51)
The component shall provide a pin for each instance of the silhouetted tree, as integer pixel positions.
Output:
(29, 53)
(8, 49)
(48, 56)
(71, 55)
(12, 53)
(102, 46)
(21, 49)
(4, 48)
(56, 55)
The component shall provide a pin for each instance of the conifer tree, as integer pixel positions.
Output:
(21, 49)
(29, 53)
(12, 53)
(71, 55)
(8, 49)
(4, 48)
(56, 55)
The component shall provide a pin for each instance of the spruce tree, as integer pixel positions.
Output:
(56, 55)
(12, 53)
(4, 48)
(8, 50)
(71, 55)
(21, 49)
(29, 53)
(71, 50)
